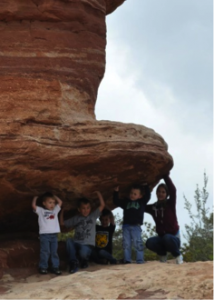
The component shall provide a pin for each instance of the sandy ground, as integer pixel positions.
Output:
(152, 280)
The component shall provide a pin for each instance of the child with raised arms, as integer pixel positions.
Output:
(84, 238)
(48, 229)
(164, 214)
(104, 236)
(133, 212)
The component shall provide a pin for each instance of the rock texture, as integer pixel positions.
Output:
(52, 61)
(152, 280)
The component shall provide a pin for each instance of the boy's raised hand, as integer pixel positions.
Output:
(59, 201)
(116, 189)
(102, 203)
(34, 202)
(97, 193)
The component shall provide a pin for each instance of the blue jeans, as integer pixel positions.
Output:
(132, 234)
(163, 244)
(48, 248)
(73, 248)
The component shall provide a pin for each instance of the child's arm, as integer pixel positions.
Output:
(34, 202)
(61, 217)
(59, 201)
(148, 209)
(171, 187)
(116, 200)
(102, 203)
(112, 219)
(147, 194)
(65, 207)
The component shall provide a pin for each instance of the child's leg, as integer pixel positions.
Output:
(156, 245)
(105, 254)
(84, 251)
(127, 243)
(138, 243)
(44, 251)
(53, 250)
(71, 250)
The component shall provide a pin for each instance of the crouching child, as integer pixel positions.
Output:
(104, 236)
(84, 238)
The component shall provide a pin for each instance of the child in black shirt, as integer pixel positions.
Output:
(104, 234)
(133, 211)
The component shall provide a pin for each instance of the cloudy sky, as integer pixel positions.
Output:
(159, 74)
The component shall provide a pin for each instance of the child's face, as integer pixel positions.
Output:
(161, 194)
(105, 221)
(49, 203)
(85, 209)
(135, 194)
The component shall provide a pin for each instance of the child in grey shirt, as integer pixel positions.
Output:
(84, 238)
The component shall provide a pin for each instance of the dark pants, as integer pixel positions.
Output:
(99, 254)
(163, 244)
(74, 248)
(48, 248)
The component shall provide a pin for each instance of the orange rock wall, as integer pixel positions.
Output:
(52, 61)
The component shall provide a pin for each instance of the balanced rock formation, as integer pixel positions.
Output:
(52, 58)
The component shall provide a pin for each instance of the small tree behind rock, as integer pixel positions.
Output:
(199, 233)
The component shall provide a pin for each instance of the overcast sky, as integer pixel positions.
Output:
(159, 74)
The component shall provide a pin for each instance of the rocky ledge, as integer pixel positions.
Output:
(152, 280)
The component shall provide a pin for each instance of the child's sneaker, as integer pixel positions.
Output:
(56, 271)
(74, 266)
(163, 258)
(43, 271)
(126, 262)
(84, 264)
(113, 261)
(179, 259)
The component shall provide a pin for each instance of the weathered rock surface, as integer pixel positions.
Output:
(52, 62)
(152, 280)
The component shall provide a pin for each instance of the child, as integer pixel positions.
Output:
(167, 228)
(84, 238)
(104, 234)
(133, 211)
(48, 229)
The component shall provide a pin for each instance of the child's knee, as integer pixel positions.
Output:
(126, 245)
(167, 238)
(150, 243)
(139, 245)
(84, 253)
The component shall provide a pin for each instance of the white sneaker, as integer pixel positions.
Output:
(163, 258)
(179, 259)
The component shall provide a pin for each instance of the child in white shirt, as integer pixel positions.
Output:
(48, 229)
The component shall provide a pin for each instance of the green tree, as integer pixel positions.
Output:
(199, 233)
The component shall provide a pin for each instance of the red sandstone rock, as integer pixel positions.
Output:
(52, 62)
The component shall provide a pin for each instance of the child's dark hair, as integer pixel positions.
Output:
(106, 213)
(45, 196)
(137, 187)
(82, 201)
(163, 185)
